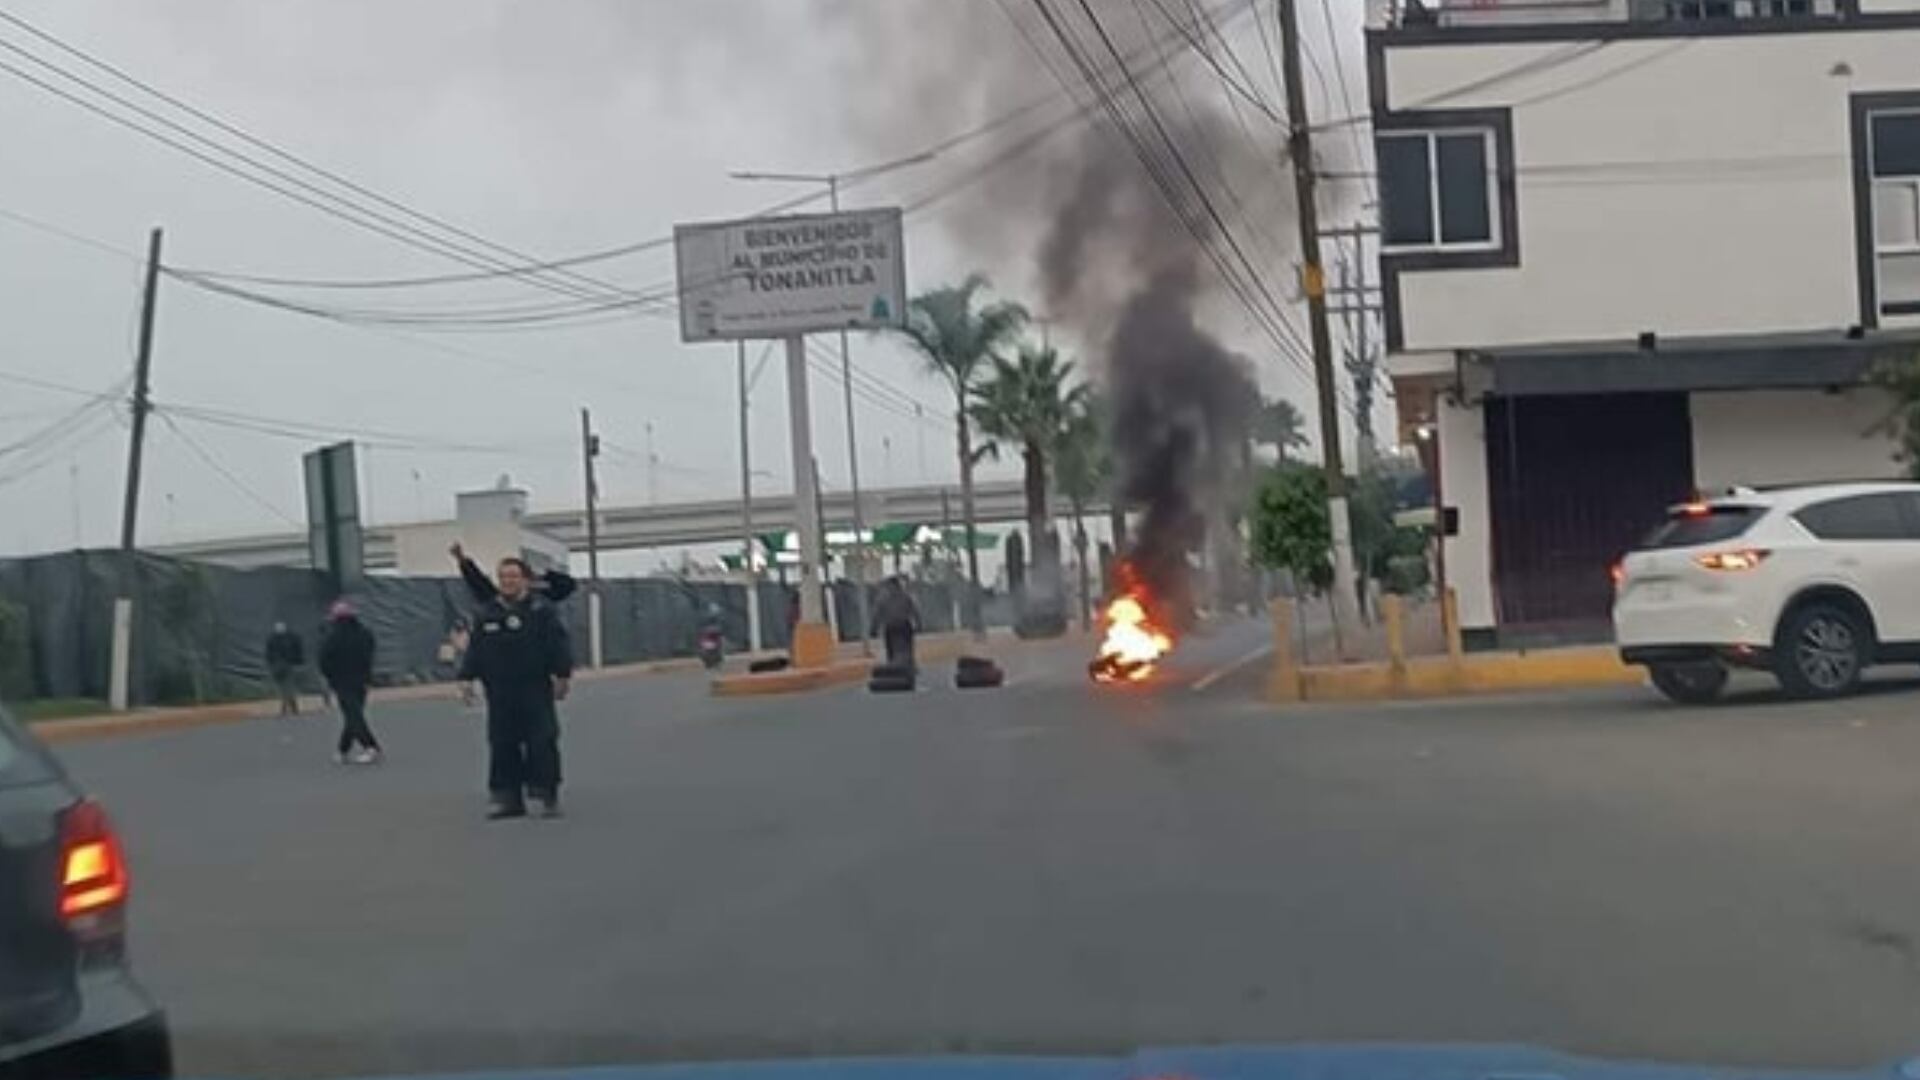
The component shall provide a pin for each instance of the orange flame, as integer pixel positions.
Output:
(1132, 644)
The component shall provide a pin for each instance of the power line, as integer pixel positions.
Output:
(336, 206)
(227, 474)
(572, 279)
(1169, 190)
(1346, 92)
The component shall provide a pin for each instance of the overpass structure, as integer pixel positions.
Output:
(663, 525)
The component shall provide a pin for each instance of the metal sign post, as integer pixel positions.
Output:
(784, 277)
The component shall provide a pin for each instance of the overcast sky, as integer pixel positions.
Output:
(552, 127)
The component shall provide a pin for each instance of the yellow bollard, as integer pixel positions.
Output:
(1393, 610)
(812, 645)
(1283, 684)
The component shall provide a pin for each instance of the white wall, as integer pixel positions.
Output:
(1760, 437)
(1688, 185)
(1463, 484)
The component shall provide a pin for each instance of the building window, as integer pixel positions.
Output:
(1436, 190)
(1893, 162)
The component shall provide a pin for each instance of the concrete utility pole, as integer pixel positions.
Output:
(590, 449)
(750, 574)
(813, 642)
(120, 675)
(1313, 280)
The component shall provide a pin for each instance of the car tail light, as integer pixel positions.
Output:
(1618, 572)
(1745, 559)
(93, 868)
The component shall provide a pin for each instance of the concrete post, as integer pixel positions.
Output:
(1393, 611)
(1283, 684)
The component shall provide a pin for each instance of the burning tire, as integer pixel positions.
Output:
(1133, 642)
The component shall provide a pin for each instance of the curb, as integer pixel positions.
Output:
(1549, 669)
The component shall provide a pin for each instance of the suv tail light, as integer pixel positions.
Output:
(93, 872)
(1745, 559)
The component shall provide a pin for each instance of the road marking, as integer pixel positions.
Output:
(1206, 681)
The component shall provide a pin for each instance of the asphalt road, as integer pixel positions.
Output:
(1049, 867)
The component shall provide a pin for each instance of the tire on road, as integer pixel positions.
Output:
(984, 674)
(1821, 649)
(891, 678)
(1697, 683)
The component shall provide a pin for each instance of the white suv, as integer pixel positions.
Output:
(1811, 583)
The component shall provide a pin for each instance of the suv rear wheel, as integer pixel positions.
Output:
(1690, 684)
(1821, 651)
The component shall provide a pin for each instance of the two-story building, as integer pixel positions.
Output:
(1631, 249)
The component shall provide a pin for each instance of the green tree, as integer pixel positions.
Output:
(1278, 424)
(1027, 402)
(1901, 379)
(1289, 525)
(1082, 469)
(958, 338)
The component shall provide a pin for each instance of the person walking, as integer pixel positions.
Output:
(346, 661)
(521, 656)
(896, 619)
(285, 654)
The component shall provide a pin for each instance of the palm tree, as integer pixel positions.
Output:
(957, 340)
(1026, 402)
(1082, 468)
(1279, 425)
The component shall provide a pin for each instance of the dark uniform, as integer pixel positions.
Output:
(518, 649)
(346, 660)
(896, 619)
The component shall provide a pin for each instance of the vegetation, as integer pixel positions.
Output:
(1083, 467)
(1901, 379)
(1289, 526)
(1278, 424)
(1027, 402)
(958, 339)
(57, 709)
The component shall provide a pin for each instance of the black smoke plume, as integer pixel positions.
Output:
(1113, 261)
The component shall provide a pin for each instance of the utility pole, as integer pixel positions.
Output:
(1357, 307)
(857, 558)
(813, 642)
(1313, 280)
(750, 572)
(120, 675)
(590, 449)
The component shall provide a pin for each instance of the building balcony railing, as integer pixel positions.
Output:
(1398, 13)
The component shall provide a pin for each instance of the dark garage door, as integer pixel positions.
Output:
(1574, 482)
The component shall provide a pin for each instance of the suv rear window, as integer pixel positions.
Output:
(1859, 517)
(1687, 526)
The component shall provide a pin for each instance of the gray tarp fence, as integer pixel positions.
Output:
(199, 629)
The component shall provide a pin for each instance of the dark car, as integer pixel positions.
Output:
(69, 1006)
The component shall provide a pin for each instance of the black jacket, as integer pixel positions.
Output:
(518, 649)
(558, 583)
(285, 650)
(346, 656)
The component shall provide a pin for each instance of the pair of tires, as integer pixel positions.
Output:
(1820, 651)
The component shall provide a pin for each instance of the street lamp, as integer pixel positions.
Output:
(832, 182)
